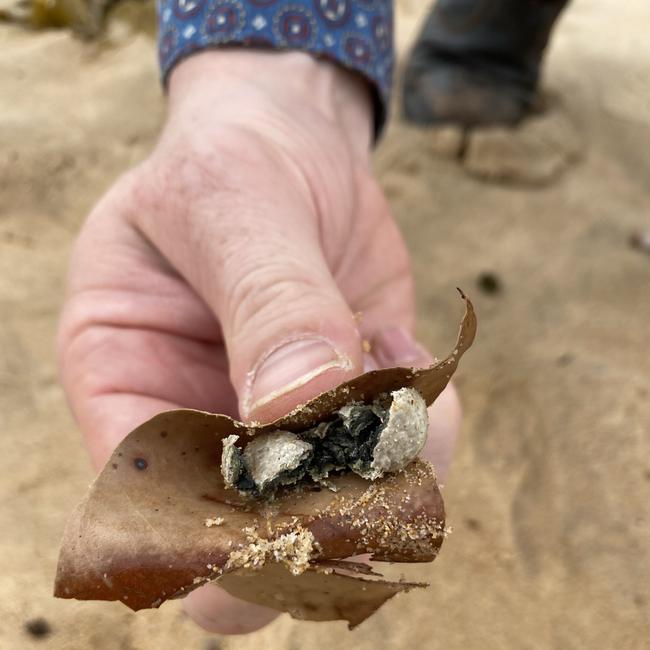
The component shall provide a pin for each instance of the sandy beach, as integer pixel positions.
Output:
(549, 492)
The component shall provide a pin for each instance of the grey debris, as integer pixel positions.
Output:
(269, 455)
(282, 458)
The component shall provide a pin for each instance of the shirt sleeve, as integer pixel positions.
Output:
(357, 34)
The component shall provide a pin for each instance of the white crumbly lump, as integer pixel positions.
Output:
(404, 435)
(271, 454)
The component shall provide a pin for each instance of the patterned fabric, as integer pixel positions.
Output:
(358, 34)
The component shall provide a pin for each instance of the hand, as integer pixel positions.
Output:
(240, 267)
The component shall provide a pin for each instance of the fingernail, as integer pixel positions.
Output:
(394, 346)
(288, 367)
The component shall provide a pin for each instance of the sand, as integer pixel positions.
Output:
(550, 489)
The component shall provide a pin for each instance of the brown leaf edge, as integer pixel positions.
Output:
(315, 595)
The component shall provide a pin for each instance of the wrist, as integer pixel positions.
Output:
(245, 86)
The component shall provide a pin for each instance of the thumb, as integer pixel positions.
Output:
(289, 332)
(287, 328)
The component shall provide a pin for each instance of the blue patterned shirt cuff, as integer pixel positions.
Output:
(357, 34)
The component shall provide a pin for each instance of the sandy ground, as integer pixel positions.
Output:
(550, 487)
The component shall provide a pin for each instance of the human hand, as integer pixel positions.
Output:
(224, 272)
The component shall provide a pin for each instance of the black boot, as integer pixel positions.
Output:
(477, 62)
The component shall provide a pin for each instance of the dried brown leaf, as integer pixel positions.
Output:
(139, 535)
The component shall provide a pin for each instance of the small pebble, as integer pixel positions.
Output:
(473, 524)
(39, 628)
(641, 241)
(489, 283)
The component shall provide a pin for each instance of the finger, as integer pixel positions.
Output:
(114, 415)
(375, 270)
(133, 338)
(445, 416)
(289, 332)
(396, 347)
(217, 611)
(116, 378)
